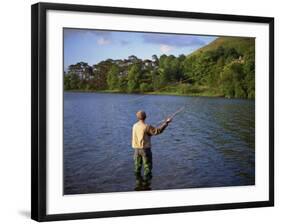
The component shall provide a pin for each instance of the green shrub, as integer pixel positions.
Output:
(145, 87)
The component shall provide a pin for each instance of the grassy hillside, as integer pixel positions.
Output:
(226, 66)
(241, 44)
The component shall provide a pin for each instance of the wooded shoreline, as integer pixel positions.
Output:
(152, 93)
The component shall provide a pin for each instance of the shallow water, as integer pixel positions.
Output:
(210, 144)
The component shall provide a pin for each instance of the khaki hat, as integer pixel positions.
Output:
(141, 115)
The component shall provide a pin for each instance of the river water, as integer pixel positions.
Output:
(209, 144)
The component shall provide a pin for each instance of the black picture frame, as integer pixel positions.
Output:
(38, 110)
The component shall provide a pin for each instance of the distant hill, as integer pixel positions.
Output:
(240, 44)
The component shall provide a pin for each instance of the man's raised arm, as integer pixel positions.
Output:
(158, 130)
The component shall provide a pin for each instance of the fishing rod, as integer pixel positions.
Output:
(181, 109)
(172, 115)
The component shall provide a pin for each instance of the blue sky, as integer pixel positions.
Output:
(93, 46)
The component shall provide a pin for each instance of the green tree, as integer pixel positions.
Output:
(155, 60)
(74, 80)
(123, 83)
(145, 87)
(189, 65)
(100, 72)
(134, 76)
(66, 82)
(249, 70)
(113, 77)
(232, 84)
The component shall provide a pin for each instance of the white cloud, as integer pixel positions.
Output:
(103, 41)
(165, 48)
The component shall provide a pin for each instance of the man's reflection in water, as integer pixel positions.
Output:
(143, 184)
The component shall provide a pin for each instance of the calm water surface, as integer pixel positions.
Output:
(210, 144)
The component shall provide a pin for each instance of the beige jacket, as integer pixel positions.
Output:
(142, 133)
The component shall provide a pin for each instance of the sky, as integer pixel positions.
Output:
(93, 46)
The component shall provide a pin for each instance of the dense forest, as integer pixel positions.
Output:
(225, 67)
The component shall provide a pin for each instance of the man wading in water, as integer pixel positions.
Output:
(141, 143)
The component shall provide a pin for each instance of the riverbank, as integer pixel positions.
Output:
(206, 94)
(172, 91)
(180, 90)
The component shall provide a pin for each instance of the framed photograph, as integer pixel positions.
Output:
(140, 111)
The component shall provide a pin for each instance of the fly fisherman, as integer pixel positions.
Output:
(141, 143)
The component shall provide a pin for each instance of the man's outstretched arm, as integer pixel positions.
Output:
(158, 130)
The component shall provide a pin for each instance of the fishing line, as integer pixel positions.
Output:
(172, 115)
(178, 111)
